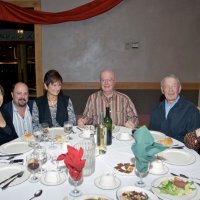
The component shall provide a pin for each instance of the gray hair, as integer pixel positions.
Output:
(170, 76)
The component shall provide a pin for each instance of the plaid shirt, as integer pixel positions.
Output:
(122, 108)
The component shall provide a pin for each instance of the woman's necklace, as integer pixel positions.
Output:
(52, 102)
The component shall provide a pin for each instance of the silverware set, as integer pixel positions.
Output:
(9, 180)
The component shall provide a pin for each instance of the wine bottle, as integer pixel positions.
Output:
(107, 122)
(101, 137)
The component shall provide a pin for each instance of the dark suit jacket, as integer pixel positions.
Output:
(9, 107)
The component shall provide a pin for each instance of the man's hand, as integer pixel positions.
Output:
(130, 124)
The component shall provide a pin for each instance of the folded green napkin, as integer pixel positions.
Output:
(145, 148)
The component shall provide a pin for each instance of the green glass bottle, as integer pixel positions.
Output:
(107, 122)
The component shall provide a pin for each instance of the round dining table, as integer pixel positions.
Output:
(119, 152)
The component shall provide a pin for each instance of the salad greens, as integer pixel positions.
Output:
(168, 187)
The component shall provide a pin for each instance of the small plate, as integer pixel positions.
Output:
(121, 190)
(159, 173)
(128, 139)
(97, 183)
(157, 135)
(62, 180)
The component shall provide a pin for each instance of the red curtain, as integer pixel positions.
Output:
(13, 13)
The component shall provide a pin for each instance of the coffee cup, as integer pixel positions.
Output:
(124, 136)
(157, 166)
(107, 180)
(52, 177)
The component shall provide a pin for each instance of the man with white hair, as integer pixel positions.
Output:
(20, 109)
(122, 109)
(174, 116)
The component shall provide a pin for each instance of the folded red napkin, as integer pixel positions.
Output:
(73, 161)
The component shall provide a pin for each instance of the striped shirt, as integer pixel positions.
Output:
(122, 108)
(22, 124)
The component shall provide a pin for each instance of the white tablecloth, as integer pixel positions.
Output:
(118, 152)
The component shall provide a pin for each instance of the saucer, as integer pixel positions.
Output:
(97, 183)
(62, 180)
(159, 173)
(128, 139)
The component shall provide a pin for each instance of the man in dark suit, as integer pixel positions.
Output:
(20, 109)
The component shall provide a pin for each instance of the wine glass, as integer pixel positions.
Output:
(42, 157)
(68, 129)
(141, 172)
(75, 177)
(52, 139)
(45, 130)
(33, 166)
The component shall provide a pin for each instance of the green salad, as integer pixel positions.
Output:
(171, 187)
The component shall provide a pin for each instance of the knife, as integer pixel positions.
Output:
(18, 176)
(14, 154)
(11, 177)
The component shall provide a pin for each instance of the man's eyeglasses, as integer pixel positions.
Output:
(107, 80)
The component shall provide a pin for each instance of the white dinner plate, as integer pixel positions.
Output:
(104, 187)
(57, 130)
(93, 197)
(157, 192)
(177, 157)
(15, 147)
(121, 190)
(61, 181)
(157, 135)
(9, 170)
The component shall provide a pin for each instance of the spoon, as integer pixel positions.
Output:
(37, 194)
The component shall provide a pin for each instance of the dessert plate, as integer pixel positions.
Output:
(62, 180)
(15, 147)
(177, 157)
(163, 196)
(9, 170)
(104, 187)
(121, 190)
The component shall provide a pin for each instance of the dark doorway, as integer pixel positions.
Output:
(17, 56)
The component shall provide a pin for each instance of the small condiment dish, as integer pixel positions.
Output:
(124, 136)
(107, 180)
(52, 176)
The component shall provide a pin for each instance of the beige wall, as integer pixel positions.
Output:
(167, 32)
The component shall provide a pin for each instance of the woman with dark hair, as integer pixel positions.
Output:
(53, 107)
(7, 130)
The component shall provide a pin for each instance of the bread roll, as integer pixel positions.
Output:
(28, 136)
(166, 141)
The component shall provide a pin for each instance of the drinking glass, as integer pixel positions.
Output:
(42, 157)
(33, 165)
(45, 130)
(141, 174)
(52, 139)
(68, 129)
(75, 192)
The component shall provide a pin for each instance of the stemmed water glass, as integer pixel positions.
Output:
(45, 130)
(75, 178)
(141, 174)
(42, 157)
(52, 138)
(33, 165)
(68, 129)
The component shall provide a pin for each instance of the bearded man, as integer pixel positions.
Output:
(20, 109)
